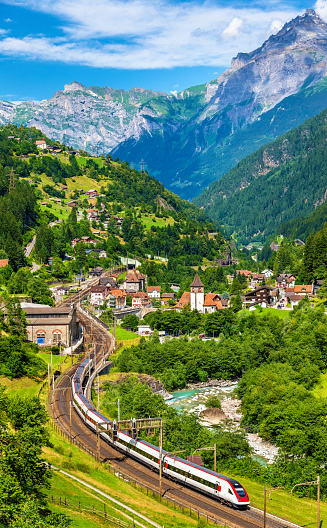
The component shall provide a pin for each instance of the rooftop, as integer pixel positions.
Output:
(197, 283)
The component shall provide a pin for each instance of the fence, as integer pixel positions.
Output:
(103, 514)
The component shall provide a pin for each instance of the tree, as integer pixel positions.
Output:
(236, 303)
(131, 321)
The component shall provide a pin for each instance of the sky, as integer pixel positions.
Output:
(157, 44)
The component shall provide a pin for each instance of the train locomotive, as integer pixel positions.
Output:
(224, 489)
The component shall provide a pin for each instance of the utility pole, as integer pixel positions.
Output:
(160, 471)
(98, 392)
(318, 499)
(264, 506)
(98, 443)
(60, 357)
(70, 421)
(48, 378)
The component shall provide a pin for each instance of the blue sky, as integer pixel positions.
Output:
(158, 44)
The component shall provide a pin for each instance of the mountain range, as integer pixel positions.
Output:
(192, 138)
(284, 181)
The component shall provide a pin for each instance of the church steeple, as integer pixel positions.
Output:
(197, 294)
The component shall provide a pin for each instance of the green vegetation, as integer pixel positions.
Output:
(297, 157)
(182, 431)
(280, 361)
(24, 476)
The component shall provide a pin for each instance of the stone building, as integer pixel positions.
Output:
(51, 326)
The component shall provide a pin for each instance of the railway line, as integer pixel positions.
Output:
(172, 490)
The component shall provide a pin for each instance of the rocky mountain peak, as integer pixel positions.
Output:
(74, 86)
(303, 32)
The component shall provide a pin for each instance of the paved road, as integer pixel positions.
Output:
(29, 248)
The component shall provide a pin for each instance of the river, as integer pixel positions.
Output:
(193, 401)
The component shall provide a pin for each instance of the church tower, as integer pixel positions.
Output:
(197, 294)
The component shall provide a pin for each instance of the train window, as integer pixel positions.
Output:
(230, 491)
(240, 491)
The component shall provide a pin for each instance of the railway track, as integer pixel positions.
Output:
(171, 490)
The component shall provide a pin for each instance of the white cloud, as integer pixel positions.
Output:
(321, 9)
(276, 25)
(145, 34)
(233, 29)
(7, 20)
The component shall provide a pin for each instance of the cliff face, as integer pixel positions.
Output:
(192, 138)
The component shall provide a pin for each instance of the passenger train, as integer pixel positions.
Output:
(225, 489)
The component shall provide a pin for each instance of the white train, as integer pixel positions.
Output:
(225, 489)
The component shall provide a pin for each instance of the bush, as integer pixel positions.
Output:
(213, 402)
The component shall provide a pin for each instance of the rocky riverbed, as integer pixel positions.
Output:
(193, 400)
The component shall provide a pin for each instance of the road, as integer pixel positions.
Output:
(29, 248)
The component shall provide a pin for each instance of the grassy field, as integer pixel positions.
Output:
(60, 211)
(124, 335)
(297, 510)
(273, 311)
(76, 462)
(23, 386)
(151, 220)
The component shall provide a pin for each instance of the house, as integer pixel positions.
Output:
(117, 299)
(166, 297)
(256, 279)
(183, 301)
(4, 263)
(174, 287)
(299, 242)
(75, 241)
(305, 289)
(212, 303)
(134, 281)
(317, 285)
(63, 290)
(285, 280)
(92, 192)
(41, 144)
(141, 300)
(246, 273)
(86, 239)
(51, 326)
(267, 273)
(72, 203)
(293, 298)
(98, 294)
(154, 292)
(274, 246)
(198, 300)
(108, 281)
(261, 296)
(96, 272)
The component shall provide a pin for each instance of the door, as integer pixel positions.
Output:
(217, 488)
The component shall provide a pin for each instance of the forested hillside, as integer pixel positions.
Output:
(64, 195)
(283, 180)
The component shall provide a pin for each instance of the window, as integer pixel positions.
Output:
(40, 338)
(57, 337)
(230, 491)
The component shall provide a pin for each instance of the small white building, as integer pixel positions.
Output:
(98, 294)
(41, 144)
(267, 273)
(154, 292)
